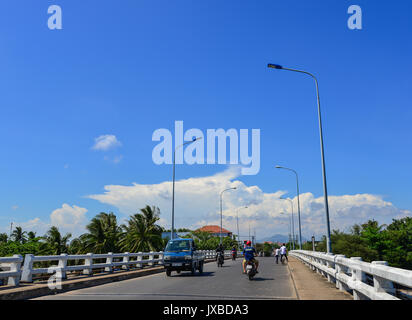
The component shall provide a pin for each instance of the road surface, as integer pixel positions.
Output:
(272, 282)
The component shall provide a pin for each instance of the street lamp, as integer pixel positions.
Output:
(293, 224)
(290, 233)
(173, 188)
(237, 222)
(297, 189)
(221, 215)
(325, 189)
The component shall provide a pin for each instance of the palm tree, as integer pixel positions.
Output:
(55, 243)
(3, 237)
(104, 234)
(202, 238)
(141, 232)
(31, 236)
(19, 235)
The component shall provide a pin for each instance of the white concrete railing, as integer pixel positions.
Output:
(88, 266)
(13, 272)
(349, 274)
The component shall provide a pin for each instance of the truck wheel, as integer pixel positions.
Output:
(178, 271)
(193, 270)
(201, 268)
(168, 272)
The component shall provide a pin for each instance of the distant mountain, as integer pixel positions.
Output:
(275, 238)
(278, 238)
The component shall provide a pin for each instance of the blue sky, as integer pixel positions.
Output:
(128, 69)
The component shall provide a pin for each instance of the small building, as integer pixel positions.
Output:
(215, 231)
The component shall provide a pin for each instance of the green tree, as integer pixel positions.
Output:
(31, 236)
(268, 249)
(103, 236)
(19, 235)
(3, 238)
(372, 235)
(201, 238)
(141, 232)
(398, 243)
(54, 243)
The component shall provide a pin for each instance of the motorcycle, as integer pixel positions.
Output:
(220, 259)
(250, 270)
(234, 254)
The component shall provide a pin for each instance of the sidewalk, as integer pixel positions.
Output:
(311, 285)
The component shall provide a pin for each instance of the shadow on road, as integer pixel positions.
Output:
(262, 279)
(188, 274)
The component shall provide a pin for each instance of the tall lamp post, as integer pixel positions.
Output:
(173, 188)
(297, 190)
(290, 233)
(237, 222)
(221, 214)
(293, 224)
(325, 189)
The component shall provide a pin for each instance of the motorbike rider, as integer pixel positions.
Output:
(234, 251)
(219, 250)
(249, 253)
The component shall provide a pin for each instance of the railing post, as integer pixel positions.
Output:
(338, 270)
(317, 260)
(88, 262)
(15, 267)
(126, 259)
(27, 275)
(109, 260)
(330, 265)
(357, 275)
(160, 257)
(151, 257)
(139, 259)
(62, 265)
(381, 284)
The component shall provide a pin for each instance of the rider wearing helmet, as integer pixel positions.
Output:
(249, 254)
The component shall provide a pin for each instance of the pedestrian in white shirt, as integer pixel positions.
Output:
(283, 253)
(277, 255)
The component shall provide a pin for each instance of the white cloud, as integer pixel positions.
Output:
(114, 160)
(67, 218)
(197, 202)
(106, 142)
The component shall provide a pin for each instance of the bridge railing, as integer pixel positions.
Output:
(350, 274)
(11, 267)
(112, 260)
(12, 270)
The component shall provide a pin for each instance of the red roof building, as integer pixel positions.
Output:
(215, 231)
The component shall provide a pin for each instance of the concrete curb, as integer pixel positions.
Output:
(29, 291)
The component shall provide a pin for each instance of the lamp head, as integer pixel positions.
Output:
(274, 66)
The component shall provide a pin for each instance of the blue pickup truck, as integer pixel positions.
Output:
(181, 255)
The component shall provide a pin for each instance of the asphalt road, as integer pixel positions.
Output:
(272, 282)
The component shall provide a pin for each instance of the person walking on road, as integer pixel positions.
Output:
(283, 253)
(277, 255)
